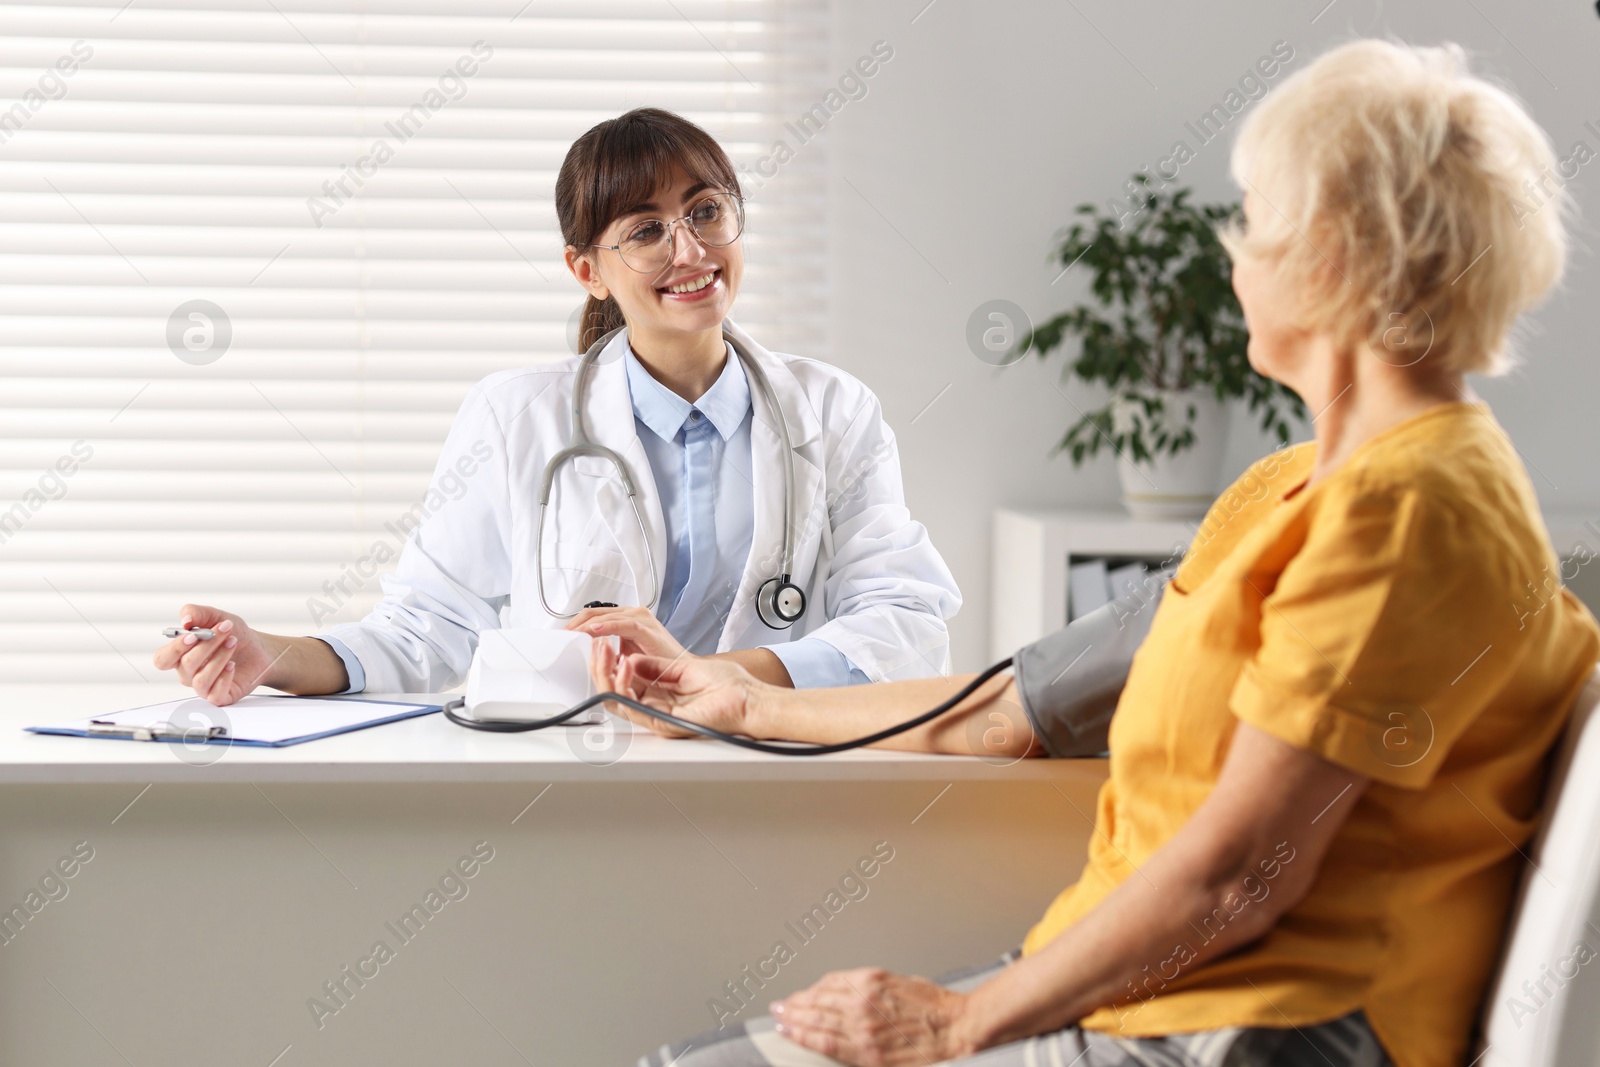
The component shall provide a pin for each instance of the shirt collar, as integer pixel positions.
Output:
(725, 404)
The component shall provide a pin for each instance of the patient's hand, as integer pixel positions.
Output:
(870, 1017)
(712, 692)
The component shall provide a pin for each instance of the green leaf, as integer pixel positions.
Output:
(1163, 316)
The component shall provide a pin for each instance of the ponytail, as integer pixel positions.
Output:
(600, 317)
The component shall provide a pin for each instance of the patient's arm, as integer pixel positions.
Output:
(832, 715)
(1058, 699)
(1274, 808)
(726, 697)
(1251, 851)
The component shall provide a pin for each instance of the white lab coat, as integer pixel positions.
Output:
(876, 588)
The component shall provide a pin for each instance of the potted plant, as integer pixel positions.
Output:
(1166, 336)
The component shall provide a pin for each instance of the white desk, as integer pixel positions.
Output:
(432, 749)
(620, 900)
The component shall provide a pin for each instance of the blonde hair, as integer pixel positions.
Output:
(1395, 188)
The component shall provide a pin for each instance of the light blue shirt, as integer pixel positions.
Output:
(700, 456)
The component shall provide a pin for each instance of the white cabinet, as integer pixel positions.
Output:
(1033, 551)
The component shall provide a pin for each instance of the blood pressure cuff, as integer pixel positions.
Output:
(1070, 681)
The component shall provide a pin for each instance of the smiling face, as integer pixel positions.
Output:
(694, 291)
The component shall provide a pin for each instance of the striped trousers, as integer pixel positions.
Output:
(1346, 1042)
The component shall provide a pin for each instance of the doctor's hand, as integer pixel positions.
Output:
(223, 669)
(637, 628)
(711, 692)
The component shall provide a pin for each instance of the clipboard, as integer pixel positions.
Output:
(255, 721)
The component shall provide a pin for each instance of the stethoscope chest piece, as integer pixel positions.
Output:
(780, 603)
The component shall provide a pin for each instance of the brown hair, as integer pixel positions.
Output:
(618, 165)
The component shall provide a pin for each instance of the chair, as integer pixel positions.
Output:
(1554, 935)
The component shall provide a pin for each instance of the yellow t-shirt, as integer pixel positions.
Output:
(1403, 618)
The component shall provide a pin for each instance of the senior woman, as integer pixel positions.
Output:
(1329, 747)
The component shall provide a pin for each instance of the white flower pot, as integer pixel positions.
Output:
(1181, 486)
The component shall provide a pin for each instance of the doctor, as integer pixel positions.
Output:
(726, 446)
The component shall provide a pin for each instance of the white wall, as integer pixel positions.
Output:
(993, 120)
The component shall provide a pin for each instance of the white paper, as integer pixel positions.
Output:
(1127, 580)
(255, 718)
(1089, 588)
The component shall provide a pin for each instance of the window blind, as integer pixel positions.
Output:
(253, 253)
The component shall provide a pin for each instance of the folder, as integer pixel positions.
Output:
(1088, 588)
(259, 721)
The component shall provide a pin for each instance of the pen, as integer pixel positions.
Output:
(203, 635)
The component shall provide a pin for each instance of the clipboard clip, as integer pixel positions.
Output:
(161, 731)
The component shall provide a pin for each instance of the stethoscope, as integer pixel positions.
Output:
(779, 602)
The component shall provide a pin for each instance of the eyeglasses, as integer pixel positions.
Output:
(648, 246)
